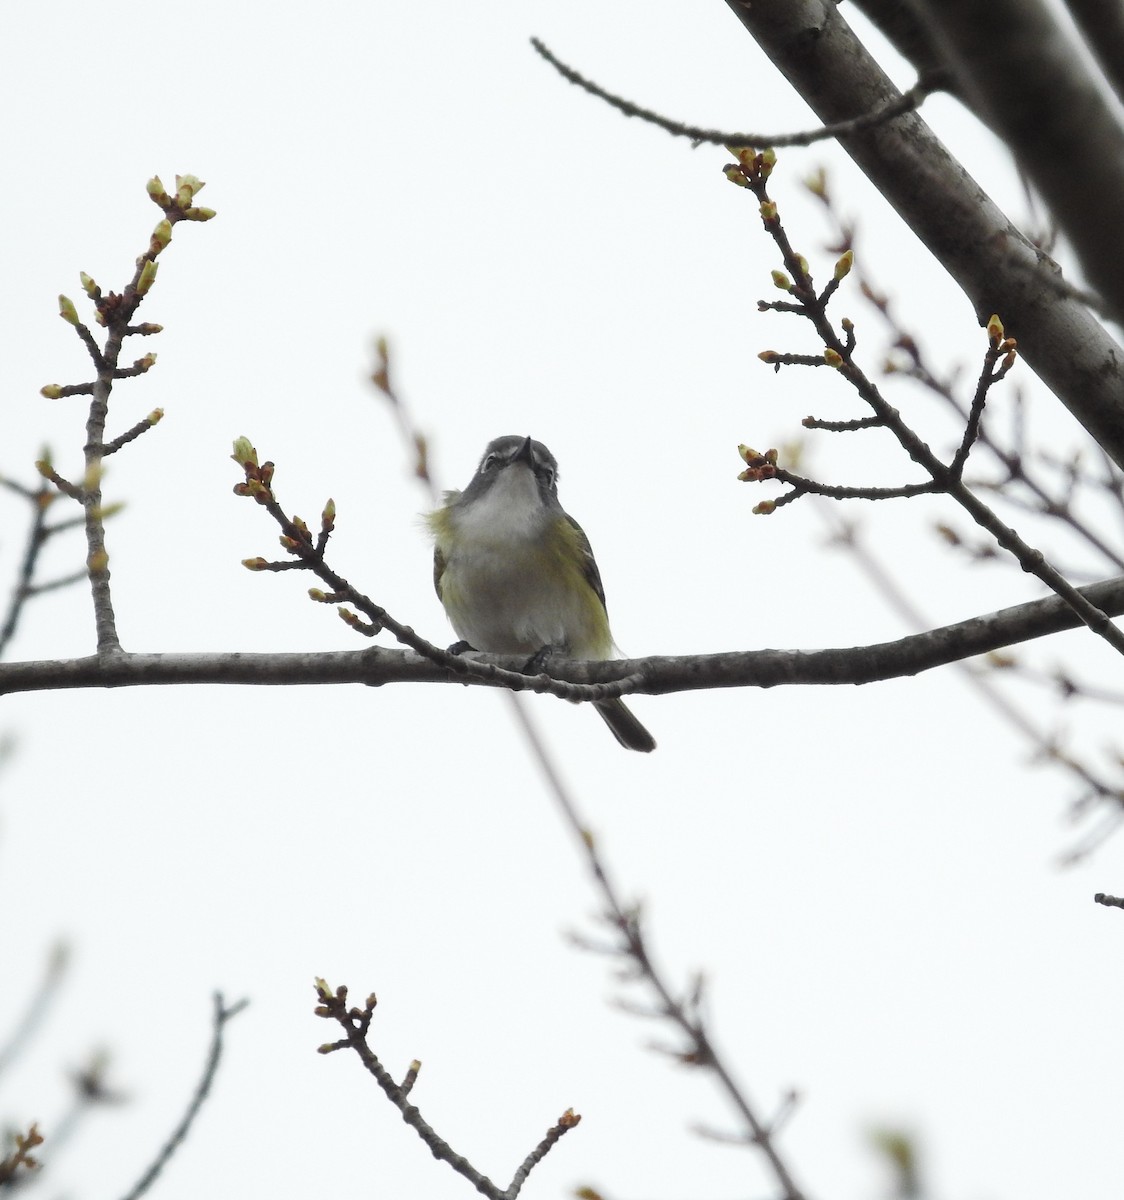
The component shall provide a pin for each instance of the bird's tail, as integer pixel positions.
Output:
(626, 728)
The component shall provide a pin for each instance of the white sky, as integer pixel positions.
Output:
(868, 876)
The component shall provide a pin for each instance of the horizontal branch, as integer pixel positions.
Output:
(650, 676)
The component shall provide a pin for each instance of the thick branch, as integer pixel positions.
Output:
(1102, 23)
(1034, 90)
(998, 269)
(650, 676)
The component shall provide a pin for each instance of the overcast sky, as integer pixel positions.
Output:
(868, 876)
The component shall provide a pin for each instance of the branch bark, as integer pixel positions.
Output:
(995, 265)
(1033, 88)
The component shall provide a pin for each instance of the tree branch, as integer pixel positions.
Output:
(222, 1014)
(1033, 89)
(1102, 23)
(996, 266)
(356, 1023)
(647, 676)
(907, 102)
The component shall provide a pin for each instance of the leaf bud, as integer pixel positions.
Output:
(147, 278)
(244, 452)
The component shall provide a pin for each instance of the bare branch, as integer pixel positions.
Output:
(907, 102)
(355, 1023)
(221, 1016)
(629, 943)
(37, 1008)
(647, 676)
(752, 171)
(1027, 80)
(998, 268)
(115, 313)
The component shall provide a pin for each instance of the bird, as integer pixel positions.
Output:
(515, 572)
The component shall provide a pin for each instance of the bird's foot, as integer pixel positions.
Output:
(536, 664)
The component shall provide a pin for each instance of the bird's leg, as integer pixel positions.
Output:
(460, 647)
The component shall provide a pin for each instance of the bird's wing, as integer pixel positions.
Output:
(589, 563)
(438, 571)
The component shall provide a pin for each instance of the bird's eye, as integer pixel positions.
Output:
(490, 461)
(546, 474)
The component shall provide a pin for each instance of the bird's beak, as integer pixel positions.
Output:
(525, 454)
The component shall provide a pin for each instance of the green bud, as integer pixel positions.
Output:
(51, 392)
(147, 278)
(244, 451)
(67, 310)
(186, 187)
(744, 154)
(162, 235)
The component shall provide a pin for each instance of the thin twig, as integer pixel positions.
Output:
(752, 172)
(309, 555)
(38, 1006)
(907, 102)
(115, 313)
(356, 1023)
(222, 1014)
(37, 536)
(626, 923)
(1045, 744)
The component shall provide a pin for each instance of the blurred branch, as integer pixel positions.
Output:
(39, 1004)
(1046, 745)
(1031, 85)
(222, 1014)
(682, 1012)
(21, 1155)
(355, 1023)
(1103, 27)
(39, 533)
